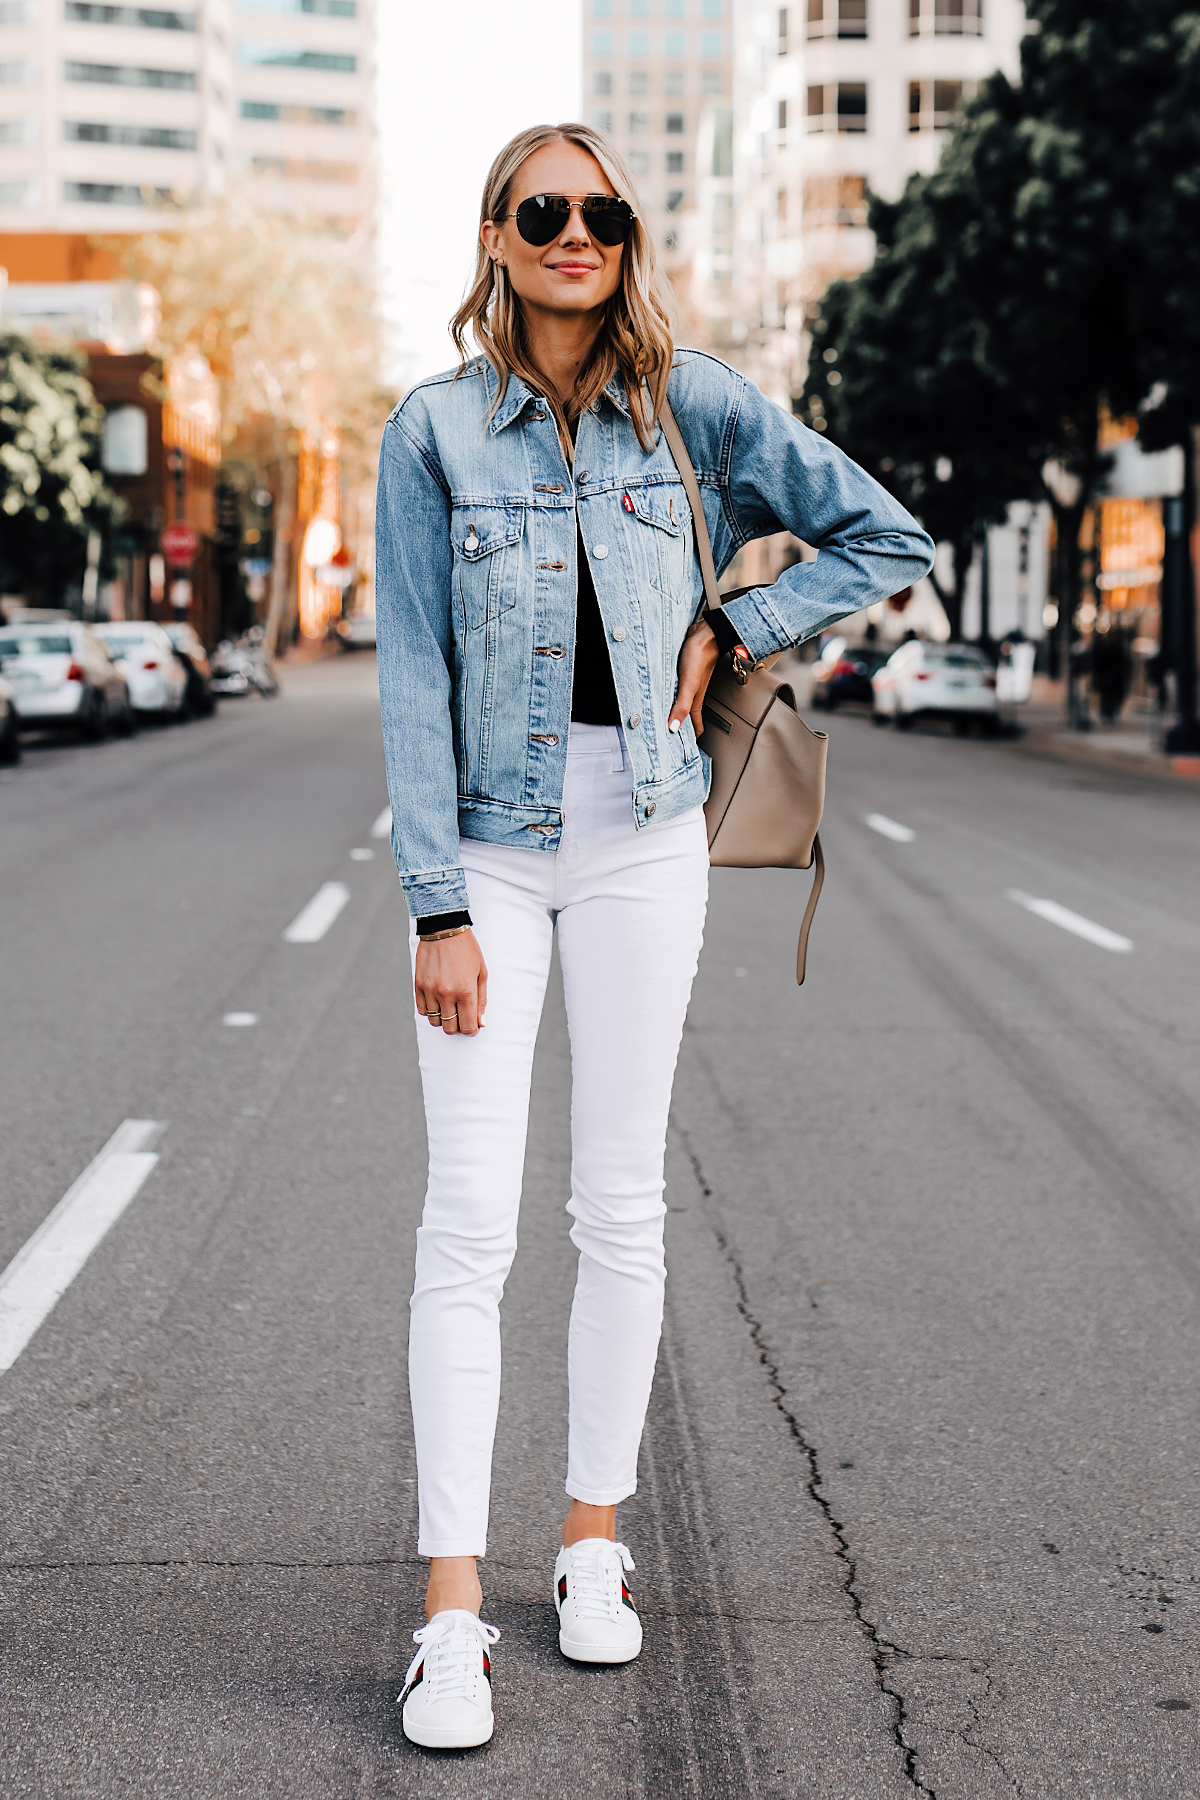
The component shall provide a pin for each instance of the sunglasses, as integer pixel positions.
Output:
(543, 217)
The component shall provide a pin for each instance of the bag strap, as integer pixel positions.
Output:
(691, 486)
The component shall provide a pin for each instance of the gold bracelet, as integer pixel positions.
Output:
(435, 937)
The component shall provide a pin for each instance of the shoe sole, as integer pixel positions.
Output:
(445, 1740)
(596, 1653)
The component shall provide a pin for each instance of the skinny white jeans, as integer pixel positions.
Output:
(629, 908)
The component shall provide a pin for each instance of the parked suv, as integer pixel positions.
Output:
(61, 675)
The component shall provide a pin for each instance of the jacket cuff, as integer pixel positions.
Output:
(435, 891)
(450, 921)
(757, 623)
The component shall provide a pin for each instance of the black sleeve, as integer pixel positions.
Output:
(723, 629)
(442, 922)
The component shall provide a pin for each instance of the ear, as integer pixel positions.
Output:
(492, 238)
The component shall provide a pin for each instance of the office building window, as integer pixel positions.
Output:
(639, 82)
(298, 168)
(781, 204)
(16, 193)
(670, 240)
(783, 31)
(639, 9)
(932, 104)
(298, 115)
(945, 18)
(16, 131)
(674, 162)
(149, 137)
(675, 199)
(675, 44)
(602, 9)
(835, 200)
(22, 73)
(639, 123)
(712, 81)
(781, 114)
(602, 43)
(602, 81)
(838, 18)
(712, 9)
(639, 43)
(113, 193)
(603, 121)
(673, 82)
(712, 45)
(837, 106)
(148, 18)
(639, 162)
(121, 75)
(287, 56)
(674, 9)
(334, 9)
(675, 124)
(16, 12)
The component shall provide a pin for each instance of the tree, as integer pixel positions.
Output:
(52, 493)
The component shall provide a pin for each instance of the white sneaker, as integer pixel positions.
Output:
(447, 1697)
(597, 1622)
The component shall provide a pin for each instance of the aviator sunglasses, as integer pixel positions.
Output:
(543, 217)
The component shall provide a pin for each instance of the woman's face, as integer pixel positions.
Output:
(574, 273)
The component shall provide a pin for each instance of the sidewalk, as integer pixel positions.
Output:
(1131, 744)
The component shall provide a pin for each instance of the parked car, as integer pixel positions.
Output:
(357, 632)
(948, 681)
(199, 699)
(61, 675)
(843, 672)
(10, 726)
(243, 667)
(146, 657)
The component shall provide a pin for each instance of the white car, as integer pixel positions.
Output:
(358, 631)
(946, 681)
(146, 657)
(60, 674)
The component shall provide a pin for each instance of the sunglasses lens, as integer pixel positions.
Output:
(611, 220)
(542, 217)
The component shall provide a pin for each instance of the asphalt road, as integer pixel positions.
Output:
(921, 1485)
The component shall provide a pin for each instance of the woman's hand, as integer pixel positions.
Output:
(697, 660)
(450, 983)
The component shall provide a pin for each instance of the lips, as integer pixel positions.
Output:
(574, 268)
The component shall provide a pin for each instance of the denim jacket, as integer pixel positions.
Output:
(476, 583)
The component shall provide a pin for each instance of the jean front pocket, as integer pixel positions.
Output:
(487, 561)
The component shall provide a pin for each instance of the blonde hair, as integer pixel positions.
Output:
(635, 339)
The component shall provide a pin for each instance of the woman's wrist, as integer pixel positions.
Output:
(440, 925)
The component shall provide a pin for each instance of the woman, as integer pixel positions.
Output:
(542, 668)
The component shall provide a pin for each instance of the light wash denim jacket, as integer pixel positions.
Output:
(476, 582)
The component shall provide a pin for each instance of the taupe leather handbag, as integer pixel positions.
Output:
(768, 767)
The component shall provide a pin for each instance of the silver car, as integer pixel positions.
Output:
(61, 674)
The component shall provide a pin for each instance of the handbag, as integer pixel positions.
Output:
(768, 767)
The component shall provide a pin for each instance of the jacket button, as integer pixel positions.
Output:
(583, 475)
(635, 720)
(600, 550)
(618, 634)
(651, 809)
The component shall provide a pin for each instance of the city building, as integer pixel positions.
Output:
(108, 111)
(656, 77)
(835, 98)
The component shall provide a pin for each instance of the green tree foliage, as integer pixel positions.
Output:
(52, 493)
(1048, 267)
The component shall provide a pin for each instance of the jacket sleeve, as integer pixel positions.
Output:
(782, 476)
(413, 575)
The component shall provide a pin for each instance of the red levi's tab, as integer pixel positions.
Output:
(627, 503)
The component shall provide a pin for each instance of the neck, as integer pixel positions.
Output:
(560, 344)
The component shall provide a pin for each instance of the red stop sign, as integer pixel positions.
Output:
(179, 544)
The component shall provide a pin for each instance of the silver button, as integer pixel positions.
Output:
(583, 475)
(600, 550)
(472, 542)
(635, 720)
(651, 809)
(618, 634)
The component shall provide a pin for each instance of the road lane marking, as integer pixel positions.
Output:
(888, 828)
(1072, 921)
(383, 824)
(240, 1019)
(362, 856)
(42, 1271)
(313, 921)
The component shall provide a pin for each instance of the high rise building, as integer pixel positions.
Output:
(834, 98)
(654, 72)
(106, 110)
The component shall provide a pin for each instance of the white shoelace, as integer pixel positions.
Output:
(596, 1579)
(450, 1650)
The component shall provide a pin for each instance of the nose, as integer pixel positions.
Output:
(575, 230)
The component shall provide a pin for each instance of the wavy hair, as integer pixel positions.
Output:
(635, 339)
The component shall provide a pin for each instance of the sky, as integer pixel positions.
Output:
(457, 79)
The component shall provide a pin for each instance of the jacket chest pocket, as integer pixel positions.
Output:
(664, 522)
(487, 561)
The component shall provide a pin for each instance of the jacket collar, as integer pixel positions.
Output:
(518, 395)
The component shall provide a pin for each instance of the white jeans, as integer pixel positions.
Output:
(629, 908)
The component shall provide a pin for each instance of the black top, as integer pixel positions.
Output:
(593, 696)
